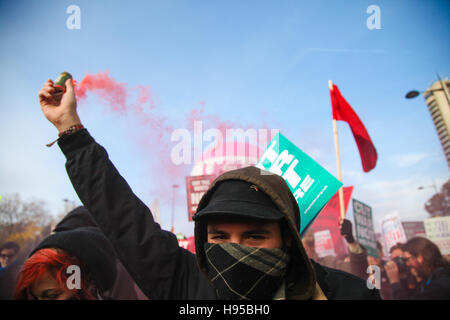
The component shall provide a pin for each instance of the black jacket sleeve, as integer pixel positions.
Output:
(340, 285)
(152, 256)
(358, 263)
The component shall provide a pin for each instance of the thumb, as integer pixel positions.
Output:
(69, 97)
(69, 85)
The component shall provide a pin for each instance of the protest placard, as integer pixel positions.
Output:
(414, 229)
(365, 231)
(196, 186)
(311, 185)
(323, 244)
(392, 230)
(438, 231)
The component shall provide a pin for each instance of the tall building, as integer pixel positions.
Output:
(437, 98)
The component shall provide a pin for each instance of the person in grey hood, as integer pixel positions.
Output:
(246, 229)
(247, 244)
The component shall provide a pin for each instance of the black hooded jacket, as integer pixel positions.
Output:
(161, 268)
(124, 287)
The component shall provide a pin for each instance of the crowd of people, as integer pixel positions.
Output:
(413, 270)
(247, 241)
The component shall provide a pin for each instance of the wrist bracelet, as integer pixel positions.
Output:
(70, 130)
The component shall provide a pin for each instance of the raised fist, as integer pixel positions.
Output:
(58, 107)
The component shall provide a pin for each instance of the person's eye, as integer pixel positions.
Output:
(219, 237)
(256, 237)
(53, 296)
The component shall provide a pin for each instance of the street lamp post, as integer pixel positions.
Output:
(414, 93)
(432, 186)
(66, 206)
(175, 186)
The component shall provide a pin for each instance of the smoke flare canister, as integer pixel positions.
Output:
(60, 82)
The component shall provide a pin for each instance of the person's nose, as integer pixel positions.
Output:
(236, 239)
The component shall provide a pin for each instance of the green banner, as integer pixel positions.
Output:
(365, 232)
(311, 185)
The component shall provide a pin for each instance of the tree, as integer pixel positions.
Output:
(439, 204)
(22, 221)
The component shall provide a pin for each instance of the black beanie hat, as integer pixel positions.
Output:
(78, 217)
(239, 198)
(90, 246)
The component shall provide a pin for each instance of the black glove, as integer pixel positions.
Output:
(346, 230)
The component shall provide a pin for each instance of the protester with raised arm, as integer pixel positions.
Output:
(246, 229)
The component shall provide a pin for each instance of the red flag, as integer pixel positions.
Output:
(344, 112)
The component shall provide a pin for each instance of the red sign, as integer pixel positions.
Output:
(196, 186)
(329, 219)
(188, 244)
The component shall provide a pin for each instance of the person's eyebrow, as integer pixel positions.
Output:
(216, 231)
(257, 231)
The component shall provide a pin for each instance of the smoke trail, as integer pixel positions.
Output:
(137, 104)
(153, 128)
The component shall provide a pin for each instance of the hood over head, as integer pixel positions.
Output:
(276, 203)
(78, 217)
(90, 246)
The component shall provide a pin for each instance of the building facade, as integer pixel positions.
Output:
(437, 98)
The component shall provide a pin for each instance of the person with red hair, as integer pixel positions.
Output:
(76, 264)
(44, 277)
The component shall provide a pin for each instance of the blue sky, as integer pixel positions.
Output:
(251, 62)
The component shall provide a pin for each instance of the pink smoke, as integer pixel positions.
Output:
(151, 128)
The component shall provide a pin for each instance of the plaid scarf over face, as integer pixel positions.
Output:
(245, 273)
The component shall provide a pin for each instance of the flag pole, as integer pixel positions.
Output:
(338, 160)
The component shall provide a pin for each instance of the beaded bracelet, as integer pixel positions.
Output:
(70, 130)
